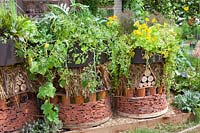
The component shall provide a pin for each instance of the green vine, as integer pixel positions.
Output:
(64, 35)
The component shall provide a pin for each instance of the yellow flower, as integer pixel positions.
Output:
(137, 32)
(137, 23)
(148, 37)
(147, 19)
(112, 18)
(107, 23)
(143, 26)
(186, 8)
(46, 46)
(148, 30)
(153, 20)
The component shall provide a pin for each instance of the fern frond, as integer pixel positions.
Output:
(57, 9)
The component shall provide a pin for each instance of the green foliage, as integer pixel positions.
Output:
(104, 3)
(90, 79)
(187, 71)
(64, 35)
(93, 5)
(188, 101)
(171, 8)
(16, 27)
(51, 112)
(42, 126)
(187, 30)
(47, 90)
(8, 18)
(164, 7)
(137, 6)
(197, 115)
(153, 39)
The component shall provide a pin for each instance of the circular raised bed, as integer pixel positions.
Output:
(142, 107)
(79, 114)
(16, 111)
(144, 98)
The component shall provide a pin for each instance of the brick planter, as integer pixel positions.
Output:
(15, 115)
(141, 107)
(86, 114)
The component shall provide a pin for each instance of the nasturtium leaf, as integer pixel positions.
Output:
(34, 67)
(47, 90)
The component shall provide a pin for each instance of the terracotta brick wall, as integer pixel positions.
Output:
(14, 117)
(86, 114)
(144, 105)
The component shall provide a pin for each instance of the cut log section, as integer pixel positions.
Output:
(150, 78)
(23, 87)
(144, 79)
(153, 83)
(140, 85)
(149, 83)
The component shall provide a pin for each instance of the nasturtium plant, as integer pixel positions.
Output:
(65, 35)
(46, 91)
(150, 36)
(51, 112)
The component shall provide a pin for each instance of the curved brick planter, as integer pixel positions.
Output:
(85, 115)
(14, 116)
(142, 107)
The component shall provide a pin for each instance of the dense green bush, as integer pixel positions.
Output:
(187, 72)
(188, 102)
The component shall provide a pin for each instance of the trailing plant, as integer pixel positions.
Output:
(188, 101)
(42, 126)
(65, 35)
(153, 38)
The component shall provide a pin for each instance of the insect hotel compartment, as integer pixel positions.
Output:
(17, 105)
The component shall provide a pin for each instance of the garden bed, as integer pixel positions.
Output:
(79, 112)
(85, 115)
